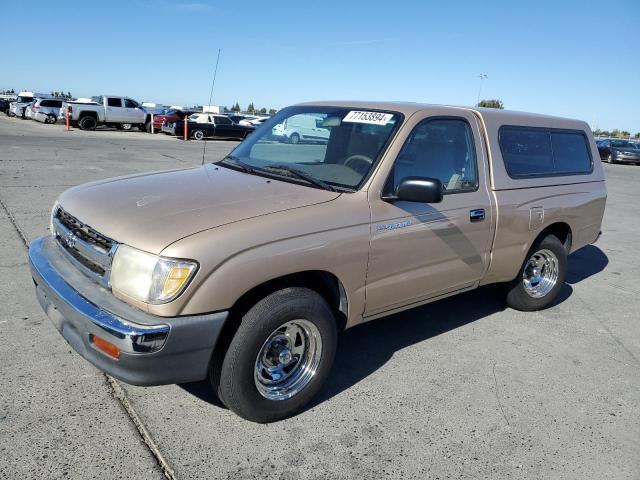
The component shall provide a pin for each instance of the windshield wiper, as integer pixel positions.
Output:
(300, 174)
(236, 162)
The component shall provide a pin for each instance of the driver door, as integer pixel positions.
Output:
(421, 251)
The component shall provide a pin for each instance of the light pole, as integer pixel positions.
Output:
(482, 76)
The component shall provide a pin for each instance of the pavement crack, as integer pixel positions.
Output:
(609, 332)
(119, 394)
(15, 224)
(495, 380)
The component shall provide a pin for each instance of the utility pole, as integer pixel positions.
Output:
(482, 76)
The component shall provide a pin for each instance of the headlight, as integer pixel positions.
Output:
(149, 278)
(53, 214)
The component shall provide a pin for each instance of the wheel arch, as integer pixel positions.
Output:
(326, 284)
(87, 113)
(561, 230)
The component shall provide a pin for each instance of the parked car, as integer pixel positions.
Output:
(110, 110)
(206, 125)
(246, 120)
(259, 121)
(46, 109)
(4, 106)
(619, 151)
(303, 128)
(244, 271)
(171, 116)
(18, 108)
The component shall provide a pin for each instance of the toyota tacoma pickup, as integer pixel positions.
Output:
(244, 271)
(110, 110)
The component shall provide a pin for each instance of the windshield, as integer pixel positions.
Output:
(622, 144)
(25, 99)
(336, 146)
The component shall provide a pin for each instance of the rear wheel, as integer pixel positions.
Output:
(125, 126)
(88, 123)
(541, 276)
(294, 138)
(198, 135)
(51, 119)
(147, 126)
(279, 357)
(610, 159)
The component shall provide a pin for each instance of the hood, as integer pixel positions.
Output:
(151, 211)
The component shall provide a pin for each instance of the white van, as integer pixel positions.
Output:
(302, 128)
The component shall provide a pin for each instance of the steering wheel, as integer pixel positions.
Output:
(358, 163)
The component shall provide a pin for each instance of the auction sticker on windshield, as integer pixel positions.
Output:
(373, 118)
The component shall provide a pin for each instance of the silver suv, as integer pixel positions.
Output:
(46, 109)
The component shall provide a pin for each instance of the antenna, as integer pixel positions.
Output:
(213, 82)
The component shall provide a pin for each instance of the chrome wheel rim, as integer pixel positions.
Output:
(288, 360)
(126, 126)
(540, 273)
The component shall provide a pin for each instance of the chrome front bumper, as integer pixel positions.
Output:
(153, 350)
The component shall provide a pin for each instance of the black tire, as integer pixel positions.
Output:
(238, 385)
(88, 123)
(294, 138)
(198, 135)
(147, 126)
(610, 159)
(51, 119)
(125, 126)
(517, 294)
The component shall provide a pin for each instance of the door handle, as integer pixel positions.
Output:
(476, 215)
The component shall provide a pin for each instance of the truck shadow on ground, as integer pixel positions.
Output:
(365, 348)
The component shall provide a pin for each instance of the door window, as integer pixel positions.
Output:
(128, 103)
(220, 120)
(442, 149)
(114, 102)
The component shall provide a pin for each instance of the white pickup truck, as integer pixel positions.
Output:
(121, 112)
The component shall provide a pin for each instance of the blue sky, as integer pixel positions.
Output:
(571, 58)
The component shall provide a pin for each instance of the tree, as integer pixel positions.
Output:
(263, 111)
(624, 134)
(605, 133)
(491, 104)
(272, 111)
(251, 108)
(615, 133)
(236, 107)
(637, 135)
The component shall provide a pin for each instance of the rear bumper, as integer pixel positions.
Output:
(153, 350)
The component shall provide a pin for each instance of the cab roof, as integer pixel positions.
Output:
(489, 115)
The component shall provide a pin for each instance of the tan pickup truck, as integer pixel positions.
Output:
(244, 271)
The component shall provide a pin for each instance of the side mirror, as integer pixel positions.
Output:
(417, 189)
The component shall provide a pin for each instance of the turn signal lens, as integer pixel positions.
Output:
(175, 280)
(106, 347)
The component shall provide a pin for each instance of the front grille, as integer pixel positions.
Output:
(91, 251)
(83, 231)
(84, 261)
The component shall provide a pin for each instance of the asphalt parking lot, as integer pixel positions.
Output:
(462, 388)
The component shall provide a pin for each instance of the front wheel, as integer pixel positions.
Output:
(279, 357)
(294, 138)
(125, 126)
(198, 135)
(541, 276)
(610, 159)
(51, 119)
